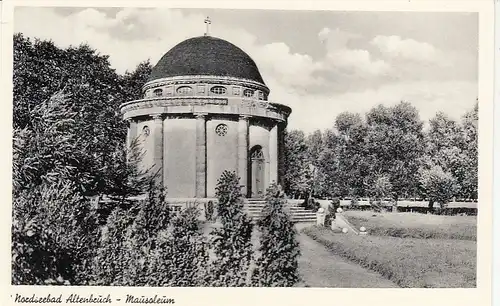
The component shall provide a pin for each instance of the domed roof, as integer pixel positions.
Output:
(206, 55)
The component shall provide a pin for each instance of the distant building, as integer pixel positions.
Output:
(205, 110)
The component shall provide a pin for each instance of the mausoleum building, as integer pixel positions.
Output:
(204, 110)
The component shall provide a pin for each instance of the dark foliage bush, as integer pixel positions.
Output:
(209, 211)
(231, 243)
(277, 265)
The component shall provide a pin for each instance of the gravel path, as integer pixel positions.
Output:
(320, 268)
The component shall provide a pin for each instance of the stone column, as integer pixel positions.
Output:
(243, 153)
(157, 133)
(201, 156)
(273, 155)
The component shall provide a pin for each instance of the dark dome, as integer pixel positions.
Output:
(206, 55)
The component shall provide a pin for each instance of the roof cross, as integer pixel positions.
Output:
(208, 22)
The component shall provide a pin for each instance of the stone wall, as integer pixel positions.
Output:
(221, 151)
(180, 157)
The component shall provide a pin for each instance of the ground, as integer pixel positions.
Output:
(412, 250)
(320, 268)
(403, 250)
(415, 225)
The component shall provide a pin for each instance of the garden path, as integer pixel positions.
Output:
(320, 268)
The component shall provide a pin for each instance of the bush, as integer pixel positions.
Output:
(150, 245)
(209, 211)
(232, 242)
(54, 236)
(277, 265)
(330, 215)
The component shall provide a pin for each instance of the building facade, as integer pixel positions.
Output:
(204, 110)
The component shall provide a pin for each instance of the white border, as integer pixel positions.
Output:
(287, 296)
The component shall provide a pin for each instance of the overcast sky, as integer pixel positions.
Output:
(320, 63)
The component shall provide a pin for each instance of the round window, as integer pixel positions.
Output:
(218, 90)
(221, 129)
(184, 90)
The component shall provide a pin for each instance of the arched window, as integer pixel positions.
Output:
(248, 93)
(158, 92)
(184, 90)
(257, 153)
(218, 90)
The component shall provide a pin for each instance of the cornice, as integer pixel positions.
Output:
(247, 108)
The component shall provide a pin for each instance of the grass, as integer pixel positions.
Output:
(415, 225)
(410, 263)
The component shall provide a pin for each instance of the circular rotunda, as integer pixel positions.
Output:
(204, 110)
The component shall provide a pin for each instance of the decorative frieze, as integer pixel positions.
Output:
(172, 101)
(204, 79)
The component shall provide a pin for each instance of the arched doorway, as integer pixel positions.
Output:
(257, 172)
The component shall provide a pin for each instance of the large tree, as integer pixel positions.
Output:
(297, 174)
(354, 158)
(41, 69)
(68, 143)
(395, 142)
(469, 179)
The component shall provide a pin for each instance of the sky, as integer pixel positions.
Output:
(320, 63)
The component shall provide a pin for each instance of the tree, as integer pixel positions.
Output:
(52, 220)
(329, 166)
(67, 145)
(395, 141)
(231, 243)
(469, 181)
(41, 69)
(277, 265)
(354, 161)
(439, 186)
(453, 147)
(380, 188)
(314, 143)
(297, 175)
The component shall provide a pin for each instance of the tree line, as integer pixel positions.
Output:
(386, 154)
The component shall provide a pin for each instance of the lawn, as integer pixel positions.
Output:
(410, 262)
(415, 225)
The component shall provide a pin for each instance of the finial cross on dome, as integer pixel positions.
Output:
(208, 22)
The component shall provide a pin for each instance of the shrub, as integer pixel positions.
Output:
(150, 245)
(330, 215)
(232, 242)
(277, 265)
(439, 185)
(181, 255)
(209, 211)
(54, 236)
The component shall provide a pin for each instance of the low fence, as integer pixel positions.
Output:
(453, 208)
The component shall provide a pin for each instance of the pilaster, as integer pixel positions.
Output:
(157, 133)
(243, 126)
(273, 155)
(201, 155)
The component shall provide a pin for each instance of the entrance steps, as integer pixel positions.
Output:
(297, 214)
